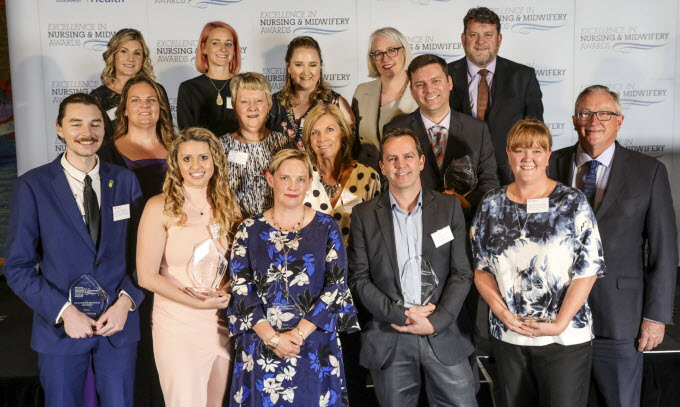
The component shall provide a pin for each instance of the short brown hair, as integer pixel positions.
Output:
(425, 60)
(527, 132)
(78, 98)
(345, 129)
(400, 132)
(482, 15)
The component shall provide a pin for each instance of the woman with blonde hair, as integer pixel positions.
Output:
(377, 102)
(191, 342)
(250, 148)
(126, 56)
(205, 101)
(304, 88)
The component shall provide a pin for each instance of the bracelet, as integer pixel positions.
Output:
(273, 342)
(302, 335)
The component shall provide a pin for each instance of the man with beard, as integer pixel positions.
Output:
(491, 88)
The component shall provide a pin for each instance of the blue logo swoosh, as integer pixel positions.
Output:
(206, 3)
(445, 56)
(626, 47)
(626, 102)
(316, 30)
(95, 45)
(528, 28)
(547, 82)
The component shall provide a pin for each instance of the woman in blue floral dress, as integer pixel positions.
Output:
(290, 298)
(537, 253)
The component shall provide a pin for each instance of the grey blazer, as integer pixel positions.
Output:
(636, 211)
(374, 278)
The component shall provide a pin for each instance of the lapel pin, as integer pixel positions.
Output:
(110, 183)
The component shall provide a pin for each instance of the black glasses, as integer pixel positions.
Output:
(379, 55)
(603, 116)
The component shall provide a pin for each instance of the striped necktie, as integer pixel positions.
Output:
(590, 185)
(437, 134)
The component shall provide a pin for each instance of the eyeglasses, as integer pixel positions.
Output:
(379, 55)
(603, 116)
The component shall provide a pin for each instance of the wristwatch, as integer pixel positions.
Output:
(273, 342)
(302, 335)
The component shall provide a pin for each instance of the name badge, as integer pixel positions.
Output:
(121, 212)
(228, 104)
(237, 157)
(302, 123)
(538, 205)
(443, 235)
(112, 113)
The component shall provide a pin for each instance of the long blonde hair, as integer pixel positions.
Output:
(220, 196)
(115, 43)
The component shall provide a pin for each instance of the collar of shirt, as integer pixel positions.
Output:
(78, 175)
(605, 158)
(473, 69)
(445, 123)
(395, 206)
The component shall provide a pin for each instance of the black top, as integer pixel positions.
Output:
(197, 105)
(284, 121)
(150, 173)
(109, 101)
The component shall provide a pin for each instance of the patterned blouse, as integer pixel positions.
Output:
(534, 257)
(362, 185)
(246, 164)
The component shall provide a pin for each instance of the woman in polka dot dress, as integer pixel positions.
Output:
(339, 183)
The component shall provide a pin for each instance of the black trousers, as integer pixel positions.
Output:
(552, 375)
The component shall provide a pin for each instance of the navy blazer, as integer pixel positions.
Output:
(467, 136)
(47, 230)
(515, 95)
(636, 211)
(374, 278)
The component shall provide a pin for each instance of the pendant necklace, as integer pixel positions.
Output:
(200, 210)
(219, 100)
(331, 190)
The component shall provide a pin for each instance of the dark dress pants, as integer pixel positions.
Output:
(63, 376)
(551, 375)
(398, 382)
(616, 379)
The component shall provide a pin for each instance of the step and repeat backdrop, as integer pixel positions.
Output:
(628, 45)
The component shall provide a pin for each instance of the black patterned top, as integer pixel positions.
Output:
(284, 121)
(246, 164)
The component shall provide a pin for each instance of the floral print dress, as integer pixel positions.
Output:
(534, 257)
(281, 278)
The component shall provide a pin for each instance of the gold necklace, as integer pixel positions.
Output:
(252, 140)
(219, 100)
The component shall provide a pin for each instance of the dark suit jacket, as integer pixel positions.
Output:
(515, 95)
(636, 210)
(46, 229)
(467, 136)
(374, 278)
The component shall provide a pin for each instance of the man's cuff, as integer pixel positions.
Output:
(134, 306)
(651, 320)
(61, 312)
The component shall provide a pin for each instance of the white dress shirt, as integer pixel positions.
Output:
(473, 82)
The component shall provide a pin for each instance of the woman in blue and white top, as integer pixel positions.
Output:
(537, 253)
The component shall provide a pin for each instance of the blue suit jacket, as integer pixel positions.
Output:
(47, 230)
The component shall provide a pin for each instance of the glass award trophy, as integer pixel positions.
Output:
(207, 267)
(88, 296)
(418, 281)
(461, 176)
(531, 296)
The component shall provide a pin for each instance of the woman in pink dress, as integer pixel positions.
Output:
(190, 334)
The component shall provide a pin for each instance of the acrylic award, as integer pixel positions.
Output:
(88, 296)
(207, 267)
(420, 280)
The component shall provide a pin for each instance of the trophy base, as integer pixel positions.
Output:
(201, 292)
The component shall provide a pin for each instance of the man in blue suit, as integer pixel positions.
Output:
(70, 218)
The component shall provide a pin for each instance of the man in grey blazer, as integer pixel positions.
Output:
(445, 134)
(631, 196)
(509, 91)
(400, 336)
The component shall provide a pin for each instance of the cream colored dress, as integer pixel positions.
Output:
(187, 341)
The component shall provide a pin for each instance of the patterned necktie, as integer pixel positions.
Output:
(482, 95)
(92, 215)
(590, 186)
(437, 134)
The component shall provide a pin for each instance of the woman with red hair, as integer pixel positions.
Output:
(205, 101)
